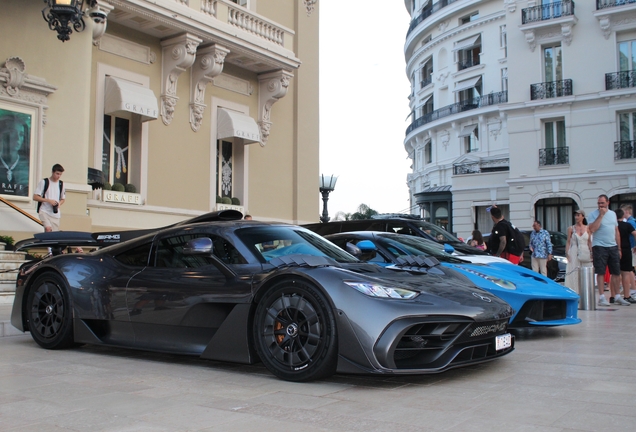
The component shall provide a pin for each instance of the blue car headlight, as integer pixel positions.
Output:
(377, 290)
(503, 283)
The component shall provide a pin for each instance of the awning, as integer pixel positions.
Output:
(467, 130)
(466, 84)
(235, 124)
(96, 178)
(124, 98)
(466, 43)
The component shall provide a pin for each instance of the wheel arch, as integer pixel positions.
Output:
(28, 286)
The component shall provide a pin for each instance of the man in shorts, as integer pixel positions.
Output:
(629, 218)
(51, 200)
(628, 234)
(603, 224)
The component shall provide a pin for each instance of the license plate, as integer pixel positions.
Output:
(503, 341)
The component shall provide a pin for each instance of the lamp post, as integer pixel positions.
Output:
(327, 185)
(61, 15)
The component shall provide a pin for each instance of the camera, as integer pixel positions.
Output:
(97, 16)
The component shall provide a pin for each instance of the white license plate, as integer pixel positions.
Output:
(503, 341)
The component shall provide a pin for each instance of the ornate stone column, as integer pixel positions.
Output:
(208, 64)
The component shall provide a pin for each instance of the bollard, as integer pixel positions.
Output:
(587, 290)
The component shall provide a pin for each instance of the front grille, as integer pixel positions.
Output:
(540, 310)
(422, 343)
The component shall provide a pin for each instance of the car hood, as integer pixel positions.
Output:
(525, 280)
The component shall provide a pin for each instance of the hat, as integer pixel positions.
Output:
(581, 212)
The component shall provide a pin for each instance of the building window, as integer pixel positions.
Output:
(469, 18)
(469, 136)
(504, 79)
(428, 106)
(469, 56)
(625, 147)
(244, 3)
(552, 63)
(555, 151)
(117, 164)
(224, 168)
(469, 92)
(555, 214)
(503, 39)
(428, 153)
(627, 56)
(427, 39)
(427, 73)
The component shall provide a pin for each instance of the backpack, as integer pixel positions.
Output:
(516, 243)
(46, 187)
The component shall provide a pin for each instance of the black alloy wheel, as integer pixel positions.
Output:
(49, 312)
(295, 332)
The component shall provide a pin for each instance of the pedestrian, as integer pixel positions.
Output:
(500, 236)
(629, 218)
(603, 225)
(578, 249)
(477, 240)
(627, 232)
(540, 248)
(50, 195)
(248, 217)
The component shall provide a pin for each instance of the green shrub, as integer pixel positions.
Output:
(7, 239)
(118, 187)
(226, 200)
(131, 188)
(236, 201)
(107, 186)
(219, 200)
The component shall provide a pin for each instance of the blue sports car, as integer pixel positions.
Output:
(536, 299)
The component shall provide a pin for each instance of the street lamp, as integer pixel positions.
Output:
(61, 15)
(327, 185)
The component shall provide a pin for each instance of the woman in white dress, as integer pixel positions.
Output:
(578, 249)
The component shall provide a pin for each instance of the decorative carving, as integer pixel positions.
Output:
(512, 5)
(606, 25)
(272, 87)
(209, 64)
(443, 25)
(15, 67)
(444, 138)
(178, 55)
(441, 77)
(99, 16)
(16, 83)
(494, 129)
(566, 31)
(530, 38)
(310, 5)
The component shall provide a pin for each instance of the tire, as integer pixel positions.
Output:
(295, 332)
(48, 310)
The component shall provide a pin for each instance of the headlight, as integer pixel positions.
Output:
(560, 259)
(503, 283)
(375, 290)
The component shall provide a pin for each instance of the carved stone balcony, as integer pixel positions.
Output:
(547, 11)
(603, 4)
(624, 150)
(551, 89)
(554, 156)
(539, 23)
(482, 166)
(469, 104)
(612, 15)
(427, 12)
(620, 80)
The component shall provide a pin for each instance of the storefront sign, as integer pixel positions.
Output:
(121, 197)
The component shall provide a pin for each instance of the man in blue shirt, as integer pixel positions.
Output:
(603, 225)
(541, 248)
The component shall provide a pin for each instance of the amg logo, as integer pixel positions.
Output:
(487, 329)
(108, 237)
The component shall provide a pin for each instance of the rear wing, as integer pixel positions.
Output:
(58, 240)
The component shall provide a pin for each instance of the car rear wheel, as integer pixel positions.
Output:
(295, 332)
(49, 312)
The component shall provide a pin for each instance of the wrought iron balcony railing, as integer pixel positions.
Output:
(624, 150)
(547, 11)
(551, 89)
(554, 156)
(620, 80)
(469, 104)
(602, 4)
(470, 62)
(427, 12)
(482, 166)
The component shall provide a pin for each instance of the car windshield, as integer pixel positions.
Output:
(439, 233)
(402, 245)
(558, 238)
(269, 242)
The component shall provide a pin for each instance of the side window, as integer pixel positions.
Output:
(137, 257)
(170, 252)
(400, 229)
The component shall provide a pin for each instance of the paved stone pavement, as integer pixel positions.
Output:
(576, 378)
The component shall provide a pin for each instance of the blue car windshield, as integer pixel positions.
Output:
(268, 242)
(402, 245)
(440, 234)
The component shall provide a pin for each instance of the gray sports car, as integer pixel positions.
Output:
(244, 291)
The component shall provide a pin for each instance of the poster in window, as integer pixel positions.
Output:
(15, 151)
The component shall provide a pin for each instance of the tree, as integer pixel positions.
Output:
(364, 212)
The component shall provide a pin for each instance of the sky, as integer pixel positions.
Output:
(364, 104)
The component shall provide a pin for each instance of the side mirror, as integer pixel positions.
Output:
(366, 246)
(448, 248)
(198, 246)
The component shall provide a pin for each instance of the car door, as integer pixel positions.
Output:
(179, 301)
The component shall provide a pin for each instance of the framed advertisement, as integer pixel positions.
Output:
(17, 137)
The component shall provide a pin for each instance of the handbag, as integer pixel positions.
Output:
(583, 255)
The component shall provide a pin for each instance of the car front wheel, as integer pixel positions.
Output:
(295, 332)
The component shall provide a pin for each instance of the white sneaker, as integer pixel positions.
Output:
(633, 295)
(602, 301)
(620, 301)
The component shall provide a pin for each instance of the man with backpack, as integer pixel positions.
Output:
(505, 239)
(50, 195)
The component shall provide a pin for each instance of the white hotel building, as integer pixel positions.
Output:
(527, 104)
